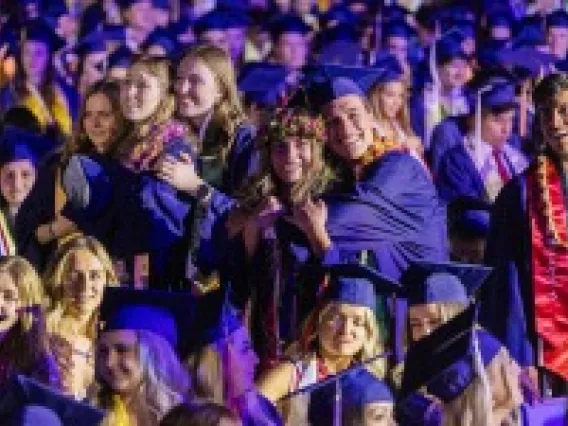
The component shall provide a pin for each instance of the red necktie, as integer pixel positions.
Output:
(501, 168)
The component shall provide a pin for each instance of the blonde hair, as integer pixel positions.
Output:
(165, 381)
(373, 345)
(137, 132)
(475, 406)
(28, 283)
(57, 267)
(403, 116)
(228, 113)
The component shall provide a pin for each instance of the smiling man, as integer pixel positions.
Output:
(386, 212)
(526, 307)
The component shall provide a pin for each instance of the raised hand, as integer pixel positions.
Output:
(180, 174)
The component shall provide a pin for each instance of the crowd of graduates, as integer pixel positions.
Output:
(283, 212)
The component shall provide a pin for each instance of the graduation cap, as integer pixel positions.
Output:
(214, 20)
(167, 314)
(557, 19)
(163, 38)
(121, 58)
(263, 83)
(326, 83)
(288, 23)
(526, 62)
(356, 284)
(335, 399)
(18, 144)
(161, 4)
(358, 388)
(531, 33)
(337, 15)
(427, 282)
(28, 402)
(494, 90)
(125, 4)
(237, 19)
(397, 28)
(447, 360)
(341, 52)
(501, 18)
(449, 47)
(39, 30)
(464, 29)
(94, 42)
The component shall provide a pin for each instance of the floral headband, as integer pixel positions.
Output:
(287, 122)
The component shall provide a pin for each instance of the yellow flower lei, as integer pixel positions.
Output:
(380, 147)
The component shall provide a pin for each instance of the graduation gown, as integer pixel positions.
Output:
(393, 211)
(507, 307)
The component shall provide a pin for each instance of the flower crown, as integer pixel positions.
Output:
(286, 123)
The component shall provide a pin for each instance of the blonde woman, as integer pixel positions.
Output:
(438, 293)
(139, 375)
(23, 338)
(223, 370)
(343, 331)
(75, 280)
(389, 101)
(208, 104)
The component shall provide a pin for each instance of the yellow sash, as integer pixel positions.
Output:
(59, 111)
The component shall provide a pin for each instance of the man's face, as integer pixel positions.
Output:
(554, 123)
(292, 50)
(349, 127)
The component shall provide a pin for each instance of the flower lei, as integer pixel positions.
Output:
(543, 169)
(377, 149)
(143, 154)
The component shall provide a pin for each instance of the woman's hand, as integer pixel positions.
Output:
(269, 211)
(180, 174)
(311, 217)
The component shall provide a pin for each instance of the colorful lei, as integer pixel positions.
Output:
(143, 155)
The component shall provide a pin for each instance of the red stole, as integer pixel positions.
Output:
(549, 240)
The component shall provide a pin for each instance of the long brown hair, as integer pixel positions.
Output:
(79, 142)
(284, 124)
(137, 132)
(228, 113)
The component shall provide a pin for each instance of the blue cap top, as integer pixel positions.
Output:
(18, 144)
(263, 83)
(444, 360)
(161, 4)
(94, 42)
(531, 33)
(339, 14)
(39, 30)
(357, 285)
(449, 47)
(426, 282)
(397, 28)
(497, 91)
(501, 19)
(166, 314)
(238, 19)
(163, 38)
(289, 23)
(557, 19)
(121, 57)
(214, 20)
